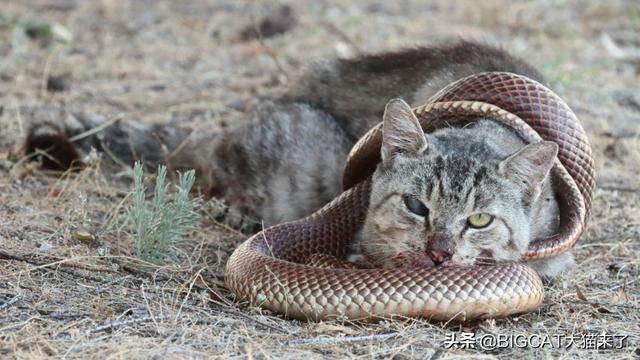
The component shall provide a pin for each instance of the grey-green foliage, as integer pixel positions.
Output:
(161, 225)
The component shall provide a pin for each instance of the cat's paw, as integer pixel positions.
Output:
(551, 268)
(233, 216)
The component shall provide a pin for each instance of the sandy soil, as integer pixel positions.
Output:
(193, 61)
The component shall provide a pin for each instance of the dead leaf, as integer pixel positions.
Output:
(83, 235)
(603, 310)
(599, 308)
(55, 191)
(623, 293)
(580, 294)
(326, 328)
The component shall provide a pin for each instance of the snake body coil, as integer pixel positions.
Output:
(268, 269)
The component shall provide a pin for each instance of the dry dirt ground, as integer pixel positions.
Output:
(189, 60)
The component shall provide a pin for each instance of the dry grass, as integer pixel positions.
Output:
(68, 296)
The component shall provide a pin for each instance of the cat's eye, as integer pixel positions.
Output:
(479, 221)
(415, 205)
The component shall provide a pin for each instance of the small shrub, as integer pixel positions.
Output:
(161, 225)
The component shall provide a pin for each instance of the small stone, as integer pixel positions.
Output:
(83, 235)
(57, 83)
(278, 21)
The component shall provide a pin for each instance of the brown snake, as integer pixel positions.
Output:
(269, 268)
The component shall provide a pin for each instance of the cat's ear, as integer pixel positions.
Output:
(401, 132)
(531, 164)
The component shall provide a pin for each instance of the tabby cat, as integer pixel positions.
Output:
(451, 197)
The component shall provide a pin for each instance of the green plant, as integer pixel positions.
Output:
(161, 225)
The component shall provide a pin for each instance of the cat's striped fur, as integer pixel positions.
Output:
(286, 160)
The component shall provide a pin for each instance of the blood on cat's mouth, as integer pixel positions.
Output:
(440, 258)
(422, 259)
(427, 259)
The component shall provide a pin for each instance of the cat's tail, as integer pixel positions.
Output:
(61, 140)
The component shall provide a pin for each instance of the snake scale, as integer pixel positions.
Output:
(270, 268)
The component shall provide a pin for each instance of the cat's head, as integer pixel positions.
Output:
(451, 193)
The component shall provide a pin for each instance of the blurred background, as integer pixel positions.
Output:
(196, 59)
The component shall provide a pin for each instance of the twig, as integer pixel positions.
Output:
(343, 339)
(61, 314)
(226, 309)
(146, 302)
(18, 325)
(96, 129)
(627, 283)
(344, 37)
(595, 304)
(31, 259)
(262, 43)
(254, 320)
(114, 324)
(102, 287)
(47, 69)
(618, 188)
(11, 301)
(186, 296)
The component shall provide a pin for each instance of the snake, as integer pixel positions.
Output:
(272, 269)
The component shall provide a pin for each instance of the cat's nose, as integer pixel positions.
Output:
(439, 241)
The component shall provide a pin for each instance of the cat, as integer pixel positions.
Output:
(286, 161)
(457, 196)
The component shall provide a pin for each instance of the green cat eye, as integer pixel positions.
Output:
(479, 221)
